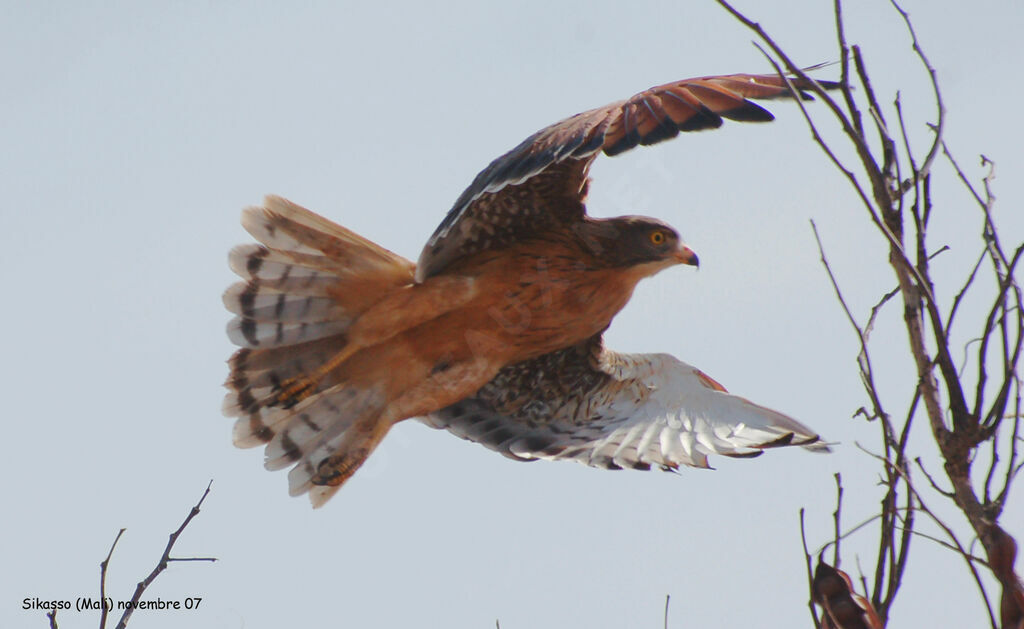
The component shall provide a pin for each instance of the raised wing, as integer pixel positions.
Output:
(617, 411)
(541, 184)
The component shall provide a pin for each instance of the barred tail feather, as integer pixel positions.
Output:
(251, 333)
(271, 366)
(316, 421)
(286, 307)
(302, 289)
(284, 271)
(283, 225)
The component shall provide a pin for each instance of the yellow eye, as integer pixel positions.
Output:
(657, 237)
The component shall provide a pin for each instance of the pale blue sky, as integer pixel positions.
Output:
(136, 132)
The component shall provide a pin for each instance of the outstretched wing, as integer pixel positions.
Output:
(541, 184)
(616, 411)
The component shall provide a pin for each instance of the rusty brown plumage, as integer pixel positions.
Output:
(342, 338)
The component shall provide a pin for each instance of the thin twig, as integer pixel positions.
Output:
(992, 467)
(998, 305)
(836, 516)
(1012, 468)
(933, 75)
(908, 152)
(1010, 358)
(948, 546)
(103, 581)
(931, 481)
(810, 573)
(963, 290)
(863, 580)
(963, 178)
(885, 139)
(908, 532)
(844, 74)
(881, 194)
(967, 556)
(869, 326)
(863, 359)
(848, 533)
(161, 565)
(915, 533)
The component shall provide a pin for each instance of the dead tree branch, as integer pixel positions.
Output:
(973, 419)
(165, 559)
(106, 604)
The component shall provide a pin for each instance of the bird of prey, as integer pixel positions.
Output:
(495, 333)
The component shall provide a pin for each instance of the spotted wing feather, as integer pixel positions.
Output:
(542, 182)
(615, 411)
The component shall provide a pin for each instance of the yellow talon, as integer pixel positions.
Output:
(294, 391)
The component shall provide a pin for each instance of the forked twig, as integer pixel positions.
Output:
(165, 559)
(963, 552)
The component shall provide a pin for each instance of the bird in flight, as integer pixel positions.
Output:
(495, 333)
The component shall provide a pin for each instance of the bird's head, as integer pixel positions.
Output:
(639, 241)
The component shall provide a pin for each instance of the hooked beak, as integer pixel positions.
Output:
(685, 255)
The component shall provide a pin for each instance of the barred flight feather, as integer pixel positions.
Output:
(251, 333)
(652, 116)
(257, 262)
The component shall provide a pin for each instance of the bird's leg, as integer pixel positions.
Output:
(402, 309)
(446, 386)
(294, 390)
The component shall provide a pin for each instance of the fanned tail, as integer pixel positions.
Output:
(302, 289)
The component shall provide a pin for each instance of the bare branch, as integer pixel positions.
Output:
(1012, 468)
(963, 178)
(844, 75)
(913, 284)
(998, 306)
(885, 172)
(863, 358)
(849, 533)
(161, 565)
(810, 574)
(103, 581)
(963, 291)
(947, 545)
(967, 556)
(836, 517)
(959, 426)
(931, 481)
(941, 116)
(993, 465)
(880, 190)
